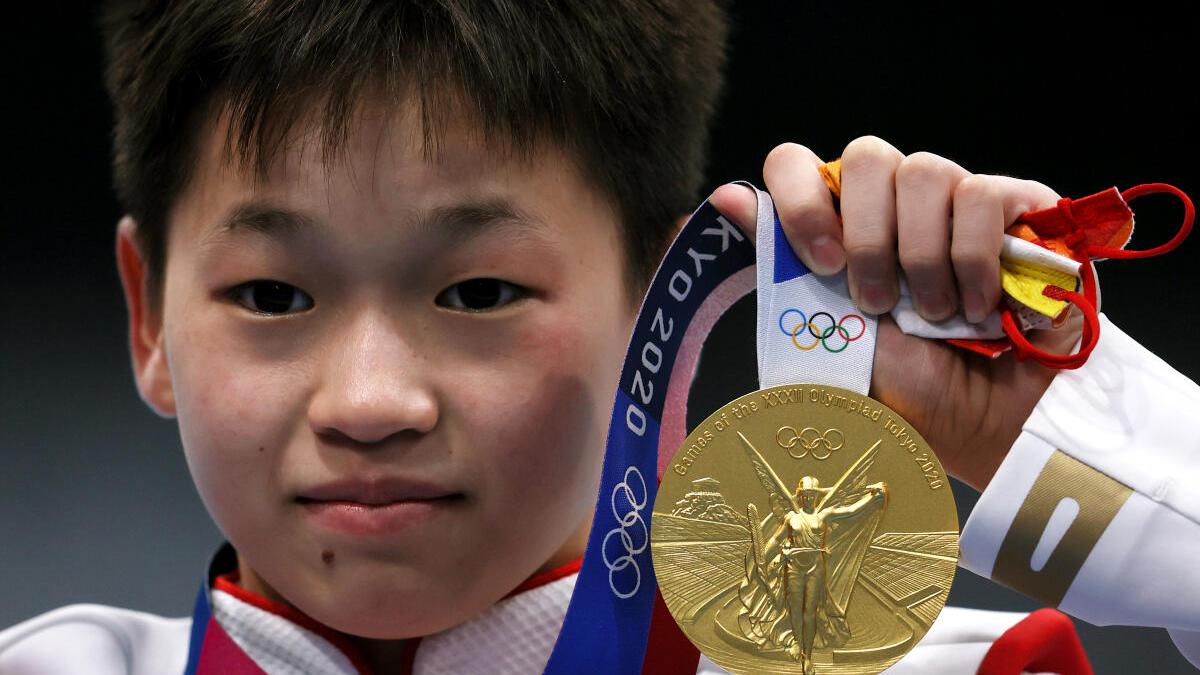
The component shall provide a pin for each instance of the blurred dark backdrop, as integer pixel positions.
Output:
(95, 500)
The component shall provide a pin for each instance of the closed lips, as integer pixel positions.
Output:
(376, 492)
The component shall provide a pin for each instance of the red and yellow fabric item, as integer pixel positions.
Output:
(1046, 264)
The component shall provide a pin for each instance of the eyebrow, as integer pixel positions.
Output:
(454, 224)
(263, 218)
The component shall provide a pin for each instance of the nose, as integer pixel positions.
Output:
(374, 384)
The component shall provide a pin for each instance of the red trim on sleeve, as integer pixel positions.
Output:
(228, 583)
(1044, 641)
(543, 578)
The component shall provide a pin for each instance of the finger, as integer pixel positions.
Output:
(869, 222)
(925, 185)
(805, 207)
(983, 206)
(739, 204)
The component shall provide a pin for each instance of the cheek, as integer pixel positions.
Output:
(234, 424)
(541, 415)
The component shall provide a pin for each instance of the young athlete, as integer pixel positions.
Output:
(382, 260)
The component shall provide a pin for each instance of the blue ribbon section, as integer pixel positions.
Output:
(608, 619)
(200, 616)
(787, 263)
(223, 560)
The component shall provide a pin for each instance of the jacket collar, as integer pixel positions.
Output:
(522, 626)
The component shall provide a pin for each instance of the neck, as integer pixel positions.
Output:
(382, 656)
(572, 548)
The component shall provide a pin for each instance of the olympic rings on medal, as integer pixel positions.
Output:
(631, 544)
(821, 445)
(820, 335)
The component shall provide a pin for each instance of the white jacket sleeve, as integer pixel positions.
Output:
(95, 640)
(1096, 508)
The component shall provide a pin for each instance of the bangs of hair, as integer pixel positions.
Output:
(627, 87)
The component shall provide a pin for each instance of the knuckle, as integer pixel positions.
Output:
(1037, 185)
(921, 167)
(922, 261)
(976, 188)
(866, 253)
(785, 153)
(1049, 194)
(869, 151)
(973, 263)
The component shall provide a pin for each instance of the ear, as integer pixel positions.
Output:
(151, 371)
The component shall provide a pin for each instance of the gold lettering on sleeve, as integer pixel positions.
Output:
(1099, 498)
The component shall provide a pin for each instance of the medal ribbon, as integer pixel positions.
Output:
(808, 327)
(210, 649)
(615, 608)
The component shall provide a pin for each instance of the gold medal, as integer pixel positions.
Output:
(804, 529)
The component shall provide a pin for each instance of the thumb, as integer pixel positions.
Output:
(739, 204)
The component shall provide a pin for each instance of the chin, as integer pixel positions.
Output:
(392, 611)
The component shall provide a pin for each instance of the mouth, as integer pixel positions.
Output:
(366, 508)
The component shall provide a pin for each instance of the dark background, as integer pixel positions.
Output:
(95, 500)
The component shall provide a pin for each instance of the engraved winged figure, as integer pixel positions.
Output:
(804, 557)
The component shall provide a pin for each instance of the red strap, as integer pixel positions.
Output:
(1086, 302)
(1043, 642)
(1189, 214)
(1091, 328)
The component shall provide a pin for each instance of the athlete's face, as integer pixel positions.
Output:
(392, 376)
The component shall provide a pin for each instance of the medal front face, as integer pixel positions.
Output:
(804, 529)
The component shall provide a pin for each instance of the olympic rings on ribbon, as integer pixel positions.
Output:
(631, 545)
(821, 335)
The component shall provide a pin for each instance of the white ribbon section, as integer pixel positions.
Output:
(808, 328)
(810, 331)
(955, 326)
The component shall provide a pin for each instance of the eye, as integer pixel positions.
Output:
(477, 295)
(265, 296)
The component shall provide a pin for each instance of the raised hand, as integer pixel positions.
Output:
(941, 226)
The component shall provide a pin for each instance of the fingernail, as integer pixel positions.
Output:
(827, 255)
(875, 297)
(933, 305)
(974, 306)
